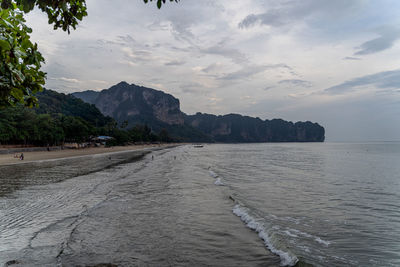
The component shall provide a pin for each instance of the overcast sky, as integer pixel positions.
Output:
(332, 62)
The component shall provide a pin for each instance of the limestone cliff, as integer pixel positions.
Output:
(136, 103)
(237, 129)
(141, 105)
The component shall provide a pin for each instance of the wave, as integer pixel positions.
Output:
(218, 181)
(216, 176)
(213, 174)
(316, 238)
(287, 259)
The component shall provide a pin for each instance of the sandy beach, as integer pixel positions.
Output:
(6, 159)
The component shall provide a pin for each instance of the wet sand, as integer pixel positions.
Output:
(6, 159)
(44, 167)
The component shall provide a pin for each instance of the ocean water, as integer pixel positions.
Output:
(323, 204)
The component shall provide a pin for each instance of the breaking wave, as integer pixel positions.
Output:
(218, 181)
(287, 259)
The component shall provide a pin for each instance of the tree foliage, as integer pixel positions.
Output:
(64, 118)
(24, 126)
(160, 2)
(20, 60)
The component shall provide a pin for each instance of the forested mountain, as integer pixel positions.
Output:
(140, 105)
(51, 102)
(144, 106)
(88, 96)
(61, 118)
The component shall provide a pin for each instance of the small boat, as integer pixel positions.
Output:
(198, 146)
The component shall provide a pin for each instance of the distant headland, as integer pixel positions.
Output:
(135, 104)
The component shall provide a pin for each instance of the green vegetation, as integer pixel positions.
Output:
(20, 60)
(160, 2)
(20, 125)
(63, 118)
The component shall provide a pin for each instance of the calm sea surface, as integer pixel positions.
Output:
(324, 204)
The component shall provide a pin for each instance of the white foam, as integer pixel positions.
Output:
(290, 219)
(213, 174)
(218, 181)
(305, 248)
(302, 233)
(286, 258)
(316, 238)
(287, 232)
(323, 242)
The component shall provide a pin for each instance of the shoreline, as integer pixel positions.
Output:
(48, 167)
(35, 156)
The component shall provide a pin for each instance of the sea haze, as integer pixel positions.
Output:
(326, 204)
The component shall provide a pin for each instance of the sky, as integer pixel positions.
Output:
(332, 62)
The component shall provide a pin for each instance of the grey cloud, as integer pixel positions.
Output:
(381, 80)
(248, 71)
(193, 88)
(181, 49)
(281, 13)
(210, 68)
(64, 79)
(351, 58)
(139, 55)
(385, 41)
(181, 26)
(159, 26)
(182, 32)
(127, 39)
(175, 63)
(119, 41)
(296, 82)
(220, 49)
(271, 18)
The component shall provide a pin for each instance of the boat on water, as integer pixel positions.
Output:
(197, 145)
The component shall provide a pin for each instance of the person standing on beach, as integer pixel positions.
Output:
(22, 156)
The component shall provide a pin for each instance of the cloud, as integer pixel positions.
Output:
(351, 58)
(126, 39)
(196, 88)
(248, 71)
(68, 80)
(135, 55)
(381, 80)
(120, 40)
(175, 63)
(296, 82)
(212, 67)
(385, 41)
(281, 13)
(181, 26)
(271, 18)
(98, 81)
(221, 50)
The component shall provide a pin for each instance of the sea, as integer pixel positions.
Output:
(272, 204)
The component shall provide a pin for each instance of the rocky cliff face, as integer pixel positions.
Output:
(141, 105)
(237, 128)
(128, 101)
